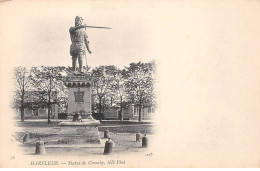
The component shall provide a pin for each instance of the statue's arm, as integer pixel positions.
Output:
(87, 42)
(73, 29)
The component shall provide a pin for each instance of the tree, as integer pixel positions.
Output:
(103, 77)
(22, 84)
(49, 81)
(139, 84)
(119, 87)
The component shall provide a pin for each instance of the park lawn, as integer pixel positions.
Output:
(44, 127)
(143, 128)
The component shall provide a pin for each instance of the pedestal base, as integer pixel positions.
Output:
(85, 132)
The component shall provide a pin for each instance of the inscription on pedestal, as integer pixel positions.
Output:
(79, 96)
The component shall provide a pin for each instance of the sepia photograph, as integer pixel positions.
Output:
(129, 84)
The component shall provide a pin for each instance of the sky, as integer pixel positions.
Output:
(39, 32)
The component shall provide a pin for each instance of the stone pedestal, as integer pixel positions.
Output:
(79, 101)
(79, 93)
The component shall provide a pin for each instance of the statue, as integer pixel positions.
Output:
(79, 43)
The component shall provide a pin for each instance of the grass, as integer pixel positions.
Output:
(128, 129)
(43, 127)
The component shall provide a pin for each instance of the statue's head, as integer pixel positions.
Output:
(78, 21)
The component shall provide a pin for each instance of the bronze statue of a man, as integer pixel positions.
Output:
(79, 43)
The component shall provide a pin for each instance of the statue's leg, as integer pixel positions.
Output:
(80, 56)
(74, 59)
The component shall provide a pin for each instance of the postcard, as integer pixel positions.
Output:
(130, 84)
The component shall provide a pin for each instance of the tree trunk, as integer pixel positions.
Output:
(121, 112)
(22, 108)
(22, 113)
(100, 115)
(140, 113)
(49, 104)
(49, 108)
(49, 114)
